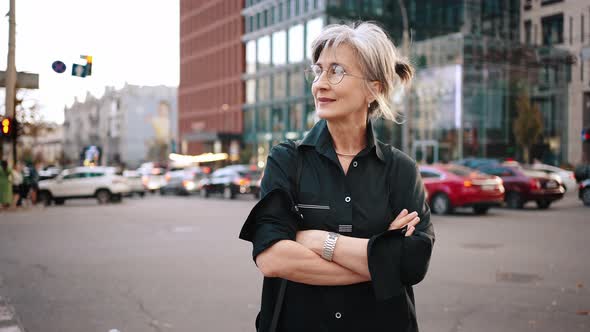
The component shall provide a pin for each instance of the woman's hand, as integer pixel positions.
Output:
(405, 219)
(312, 239)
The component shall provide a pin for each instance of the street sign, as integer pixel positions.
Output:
(59, 67)
(78, 70)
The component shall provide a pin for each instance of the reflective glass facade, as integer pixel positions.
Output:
(471, 69)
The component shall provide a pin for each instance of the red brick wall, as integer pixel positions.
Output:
(211, 63)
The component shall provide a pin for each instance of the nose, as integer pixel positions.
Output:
(321, 83)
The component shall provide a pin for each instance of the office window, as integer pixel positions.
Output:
(262, 121)
(263, 52)
(296, 44)
(527, 32)
(549, 2)
(250, 91)
(295, 117)
(280, 85)
(280, 14)
(314, 28)
(528, 4)
(552, 27)
(296, 84)
(279, 48)
(251, 57)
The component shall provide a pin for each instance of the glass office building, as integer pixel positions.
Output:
(471, 68)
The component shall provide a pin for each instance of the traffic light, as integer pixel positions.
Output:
(586, 135)
(7, 127)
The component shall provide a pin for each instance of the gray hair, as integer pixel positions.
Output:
(378, 57)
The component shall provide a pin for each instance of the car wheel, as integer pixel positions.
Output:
(479, 210)
(514, 200)
(103, 196)
(44, 198)
(586, 196)
(228, 194)
(142, 194)
(543, 204)
(441, 204)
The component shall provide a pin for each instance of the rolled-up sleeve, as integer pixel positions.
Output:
(275, 217)
(396, 261)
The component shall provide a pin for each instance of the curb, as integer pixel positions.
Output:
(9, 321)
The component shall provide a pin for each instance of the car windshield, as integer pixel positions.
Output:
(460, 171)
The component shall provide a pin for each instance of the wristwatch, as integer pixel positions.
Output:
(329, 246)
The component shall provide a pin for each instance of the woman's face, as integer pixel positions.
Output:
(347, 98)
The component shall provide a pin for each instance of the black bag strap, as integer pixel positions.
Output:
(281, 297)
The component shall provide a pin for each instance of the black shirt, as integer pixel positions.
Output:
(381, 181)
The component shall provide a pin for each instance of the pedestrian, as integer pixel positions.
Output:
(17, 184)
(34, 181)
(5, 185)
(343, 231)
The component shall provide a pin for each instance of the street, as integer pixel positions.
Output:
(176, 264)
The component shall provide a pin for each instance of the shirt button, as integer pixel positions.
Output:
(347, 199)
(338, 315)
(355, 163)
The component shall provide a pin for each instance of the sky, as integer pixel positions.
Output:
(133, 41)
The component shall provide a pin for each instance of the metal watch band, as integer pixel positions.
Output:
(329, 246)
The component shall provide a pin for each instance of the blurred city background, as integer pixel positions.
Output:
(134, 130)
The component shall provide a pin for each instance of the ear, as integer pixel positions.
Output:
(376, 87)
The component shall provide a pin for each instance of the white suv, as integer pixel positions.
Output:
(84, 182)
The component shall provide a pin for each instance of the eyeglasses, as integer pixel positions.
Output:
(335, 74)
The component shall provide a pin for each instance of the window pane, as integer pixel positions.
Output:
(295, 116)
(262, 121)
(249, 121)
(277, 120)
(250, 91)
(314, 27)
(296, 82)
(251, 57)
(264, 89)
(263, 52)
(296, 44)
(279, 48)
(280, 85)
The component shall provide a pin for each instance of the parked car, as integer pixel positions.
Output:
(450, 186)
(135, 182)
(84, 182)
(476, 162)
(232, 181)
(584, 192)
(182, 181)
(49, 172)
(567, 177)
(153, 178)
(523, 185)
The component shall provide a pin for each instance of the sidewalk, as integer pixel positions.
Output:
(9, 321)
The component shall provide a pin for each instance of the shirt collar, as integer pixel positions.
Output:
(320, 138)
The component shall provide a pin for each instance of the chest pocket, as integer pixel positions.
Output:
(316, 211)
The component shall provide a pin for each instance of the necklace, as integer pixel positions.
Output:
(345, 154)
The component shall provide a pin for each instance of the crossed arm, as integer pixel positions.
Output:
(301, 260)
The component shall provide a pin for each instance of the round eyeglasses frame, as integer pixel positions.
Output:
(333, 79)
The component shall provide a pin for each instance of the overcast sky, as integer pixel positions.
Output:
(134, 41)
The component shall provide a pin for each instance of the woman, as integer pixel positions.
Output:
(17, 184)
(343, 216)
(5, 184)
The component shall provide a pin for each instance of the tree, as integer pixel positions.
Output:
(528, 125)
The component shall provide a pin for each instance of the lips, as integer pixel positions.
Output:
(325, 100)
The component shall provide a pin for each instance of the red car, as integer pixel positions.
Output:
(451, 186)
(524, 185)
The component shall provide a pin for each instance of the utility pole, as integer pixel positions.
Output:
(406, 52)
(10, 84)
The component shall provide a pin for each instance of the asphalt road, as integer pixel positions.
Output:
(175, 264)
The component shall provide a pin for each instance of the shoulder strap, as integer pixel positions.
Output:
(281, 297)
